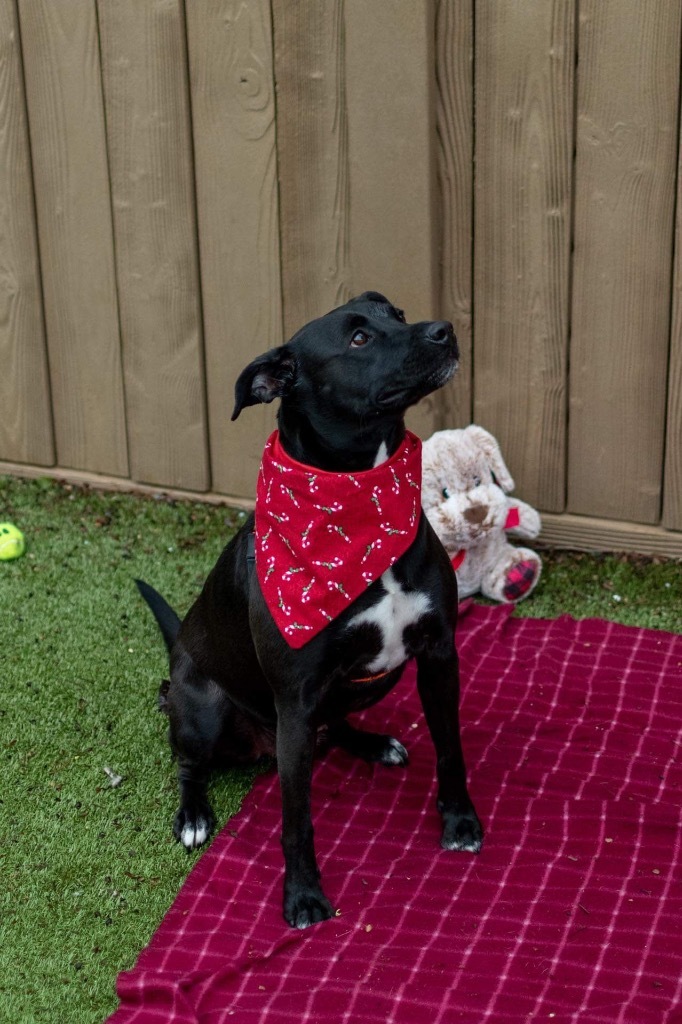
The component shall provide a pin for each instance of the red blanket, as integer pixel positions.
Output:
(572, 912)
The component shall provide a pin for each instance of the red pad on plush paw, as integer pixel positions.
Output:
(520, 579)
(513, 519)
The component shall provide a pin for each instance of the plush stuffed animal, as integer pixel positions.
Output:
(465, 484)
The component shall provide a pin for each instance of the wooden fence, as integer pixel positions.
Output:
(182, 184)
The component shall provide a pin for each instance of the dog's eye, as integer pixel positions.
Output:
(400, 315)
(359, 339)
(446, 493)
(477, 481)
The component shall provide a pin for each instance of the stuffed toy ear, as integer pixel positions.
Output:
(268, 377)
(491, 449)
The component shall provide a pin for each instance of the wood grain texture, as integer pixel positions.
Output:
(312, 153)
(144, 70)
(585, 533)
(672, 493)
(524, 115)
(26, 418)
(390, 88)
(628, 87)
(672, 477)
(144, 76)
(68, 144)
(455, 166)
(233, 104)
(424, 149)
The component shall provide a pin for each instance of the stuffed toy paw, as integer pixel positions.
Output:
(465, 494)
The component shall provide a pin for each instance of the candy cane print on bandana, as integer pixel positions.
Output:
(322, 538)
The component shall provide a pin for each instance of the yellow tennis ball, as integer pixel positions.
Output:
(12, 543)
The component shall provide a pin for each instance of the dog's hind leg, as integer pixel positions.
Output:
(369, 746)
(194, 819)
(197, 711)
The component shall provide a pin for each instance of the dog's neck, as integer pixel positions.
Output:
(345, 449)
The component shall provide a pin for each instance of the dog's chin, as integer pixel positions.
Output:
(445, 374)
(395, 399)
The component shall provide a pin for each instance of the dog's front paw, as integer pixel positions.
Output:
(393, 752)
(370, 746)
(462, 831)
(193, 826)
(305, 906)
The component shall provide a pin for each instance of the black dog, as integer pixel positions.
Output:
(238, 689)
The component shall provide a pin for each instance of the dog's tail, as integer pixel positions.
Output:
(168, 621)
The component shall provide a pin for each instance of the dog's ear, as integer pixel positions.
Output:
(268, 377)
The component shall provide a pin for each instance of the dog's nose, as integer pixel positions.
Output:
(441, 332)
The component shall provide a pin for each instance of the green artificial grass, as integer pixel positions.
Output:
(89, 869)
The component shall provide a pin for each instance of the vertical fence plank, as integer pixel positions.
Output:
(150, 158)
(390, 84)
(312, 153)
(455, 154)
(66, 120)
(233, 103)
(26, 419)
(672, 503)
(390, 87)
(672, 485)
(628, 85)
(524, 115)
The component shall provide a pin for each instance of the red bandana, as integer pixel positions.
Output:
(322, 538)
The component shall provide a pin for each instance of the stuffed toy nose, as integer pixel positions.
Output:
(476, 514)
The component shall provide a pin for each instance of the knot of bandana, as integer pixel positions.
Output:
(322, 538)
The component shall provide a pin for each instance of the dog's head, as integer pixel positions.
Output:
(359, 363)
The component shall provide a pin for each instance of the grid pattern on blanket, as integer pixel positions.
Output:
(571, 912)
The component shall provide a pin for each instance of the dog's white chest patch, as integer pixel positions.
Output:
(392, 613)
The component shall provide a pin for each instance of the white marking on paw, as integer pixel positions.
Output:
(397, 754)
(463, 847)
(194, 835)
